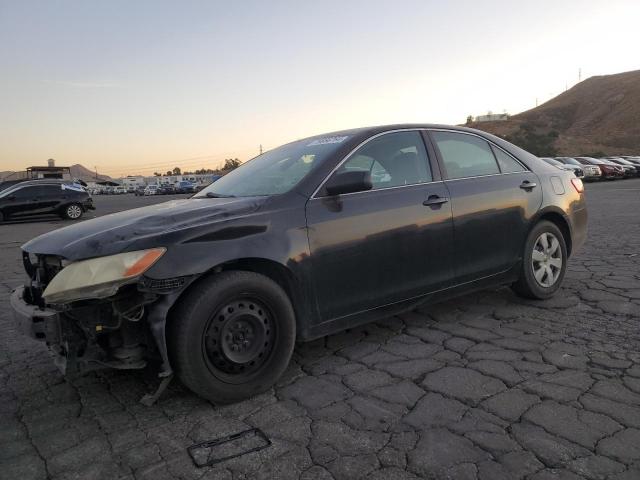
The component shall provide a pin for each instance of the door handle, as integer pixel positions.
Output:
(527, 185)
(435, 200)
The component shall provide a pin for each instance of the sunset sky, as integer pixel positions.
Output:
(142, 86)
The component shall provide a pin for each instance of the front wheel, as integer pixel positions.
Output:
(73, 211)
(544, 262)
(232, 336)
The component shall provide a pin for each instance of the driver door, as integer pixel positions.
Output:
(384, 245)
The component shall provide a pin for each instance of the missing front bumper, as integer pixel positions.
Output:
(38, 323)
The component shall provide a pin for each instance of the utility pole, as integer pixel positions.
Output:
(260, 149)
(579, 74)
(96, 169)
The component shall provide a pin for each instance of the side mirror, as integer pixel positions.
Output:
(349, 182)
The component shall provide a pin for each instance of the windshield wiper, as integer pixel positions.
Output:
(218, 195)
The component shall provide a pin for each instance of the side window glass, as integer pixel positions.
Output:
(394, 159)
(507, 163)
(465, 155)
(52, 191)
(26, 192)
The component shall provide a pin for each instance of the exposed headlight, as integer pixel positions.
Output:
(99, 277)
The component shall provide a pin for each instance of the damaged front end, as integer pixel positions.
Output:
(98, 313)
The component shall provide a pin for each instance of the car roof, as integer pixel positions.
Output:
(395, 126)
(44, 181)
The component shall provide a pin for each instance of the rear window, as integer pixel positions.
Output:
(507, 163)
(465, 155)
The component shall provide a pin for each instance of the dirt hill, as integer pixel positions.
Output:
(600, 114)
(82, 173)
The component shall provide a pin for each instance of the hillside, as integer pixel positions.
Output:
(599, 115)
(78, 172)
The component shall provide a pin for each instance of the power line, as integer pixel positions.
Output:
(162, 166)
(188, 162)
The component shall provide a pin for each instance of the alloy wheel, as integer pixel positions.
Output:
(546, 259)
(74, 211)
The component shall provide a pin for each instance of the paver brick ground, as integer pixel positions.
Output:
(486, 386)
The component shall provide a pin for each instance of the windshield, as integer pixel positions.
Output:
(276, 171)
(572, 161)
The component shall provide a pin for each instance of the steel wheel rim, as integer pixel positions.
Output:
(239, 339)
(74, 211)
(546, 260)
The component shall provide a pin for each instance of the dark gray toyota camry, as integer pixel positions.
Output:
(313, 237)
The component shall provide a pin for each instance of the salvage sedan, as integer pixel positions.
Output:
(310, 238)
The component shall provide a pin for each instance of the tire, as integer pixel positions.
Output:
(541, 277)
(73, 211)
(231, 336)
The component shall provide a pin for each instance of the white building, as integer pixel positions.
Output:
(492, 117)
(133, 181)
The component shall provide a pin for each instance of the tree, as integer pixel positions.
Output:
(169, 173)
(231, 163)
(157, 174)
(469, 119)
(176, 171)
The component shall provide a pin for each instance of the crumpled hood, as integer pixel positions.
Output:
(140, 228)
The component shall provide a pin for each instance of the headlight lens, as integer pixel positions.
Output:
(99, 277)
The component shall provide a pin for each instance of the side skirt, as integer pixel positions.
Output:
(350, 321)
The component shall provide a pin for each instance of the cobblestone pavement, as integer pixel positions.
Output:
(486, 386)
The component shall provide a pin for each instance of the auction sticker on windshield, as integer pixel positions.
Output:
(327, 140)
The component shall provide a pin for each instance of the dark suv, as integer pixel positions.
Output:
(39, 197)
(313, 237)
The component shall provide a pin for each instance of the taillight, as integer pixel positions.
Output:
(577, 184)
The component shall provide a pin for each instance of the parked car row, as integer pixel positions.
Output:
(110, 190)
(166, 189)
(605, 168)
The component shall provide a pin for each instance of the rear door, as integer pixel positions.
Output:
(493, 199)
(50, 198)
(385, 245)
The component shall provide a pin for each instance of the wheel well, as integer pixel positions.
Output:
(276, 272)
(559, 221)
(273, 270)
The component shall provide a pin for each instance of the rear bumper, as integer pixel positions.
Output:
(579, 220)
